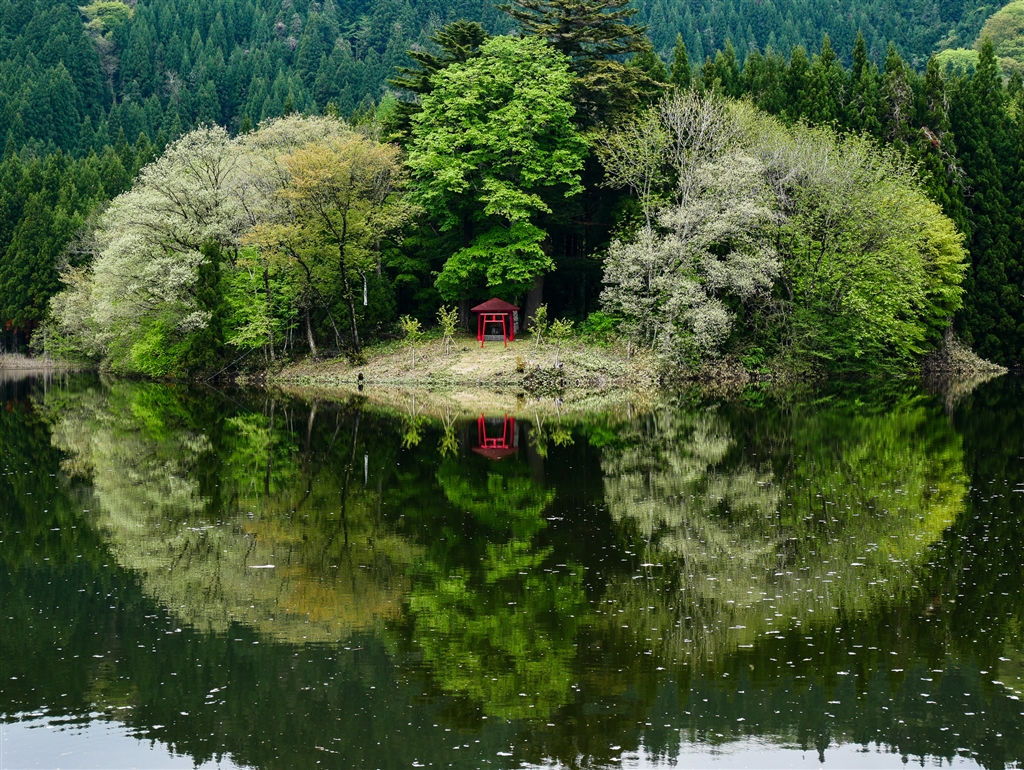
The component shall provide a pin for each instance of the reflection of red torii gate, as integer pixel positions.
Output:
(497, 447)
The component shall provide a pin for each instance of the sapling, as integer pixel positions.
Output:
(413, 333)
(540, 324)
(448, 320)
(560, 331)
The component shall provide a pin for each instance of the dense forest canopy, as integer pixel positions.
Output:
(91, 95)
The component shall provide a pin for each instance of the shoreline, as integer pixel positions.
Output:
(522, 377)
(520, 371)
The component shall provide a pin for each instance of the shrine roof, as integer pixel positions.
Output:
(494, 305)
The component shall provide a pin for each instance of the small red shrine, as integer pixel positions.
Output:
(495, 320)
(501, 441)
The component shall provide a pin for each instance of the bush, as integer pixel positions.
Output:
(600, 327)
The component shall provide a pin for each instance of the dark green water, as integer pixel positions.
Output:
(201, 578)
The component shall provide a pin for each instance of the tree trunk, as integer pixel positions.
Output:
(309, 334)
(534, 299)
(309, 425)
(352, 314)
(270, 455)
(266, 289)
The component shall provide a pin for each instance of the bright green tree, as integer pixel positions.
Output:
(492, 150)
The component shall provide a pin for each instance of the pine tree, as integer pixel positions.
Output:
(898, 95)
(593, 34)
(828, 85)
(798, 85)
(992, 317)
(727, 69)
(648, 62)
(935, 148)
(680, 75)
(458, 42)
(863, 108)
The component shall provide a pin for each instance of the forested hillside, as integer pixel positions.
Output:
(77, 77)
(89, 95)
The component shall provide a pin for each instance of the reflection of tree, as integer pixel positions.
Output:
(200, 513)
(504, 637)
(448, 446)
(743, 548)
(500, 495)
(495, 617)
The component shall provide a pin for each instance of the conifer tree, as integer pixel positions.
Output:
(828, 85)
(648, 62)
(592, 34)
(727, 69)
(458, 42)
(935, 147)
(898, 95)
(680, 75)
(992, 319)
(863, 106)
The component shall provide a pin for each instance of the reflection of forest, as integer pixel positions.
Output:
(200, 505)
(556, 589)
(790, 519)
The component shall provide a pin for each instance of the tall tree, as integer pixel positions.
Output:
(592, 34)
(492, 151)
(458, 42)
(680, 75)
(993, 316)
(342, 195)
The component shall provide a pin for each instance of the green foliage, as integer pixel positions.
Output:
(599, 327)
(593, 34)
(90, 96)
(680, 75)
(107, 16)
(302, 205)
(826, 237)
(448, 320)
(1005, 28)
(413, 333)
(492, 150)
(959, 61)
(539, 324)
(458, 42)
(560, 330)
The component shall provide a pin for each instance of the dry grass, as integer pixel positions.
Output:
(469, 365)
(27, 363)
(494, 378)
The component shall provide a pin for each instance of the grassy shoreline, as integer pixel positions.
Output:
(468, 379)
(520, 367)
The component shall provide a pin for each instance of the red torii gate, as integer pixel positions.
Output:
(495, 311)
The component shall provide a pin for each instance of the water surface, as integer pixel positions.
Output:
(238, 579)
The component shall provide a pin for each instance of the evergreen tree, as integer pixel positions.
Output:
(863, 107)
(647, 61)
(592, 34)
(458, 42)
(680, 76)
(993, 314)
(898, 96)
(935, 148)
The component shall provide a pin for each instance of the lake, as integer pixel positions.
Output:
(237, 578)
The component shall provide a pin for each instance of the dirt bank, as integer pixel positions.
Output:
(495, 374)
